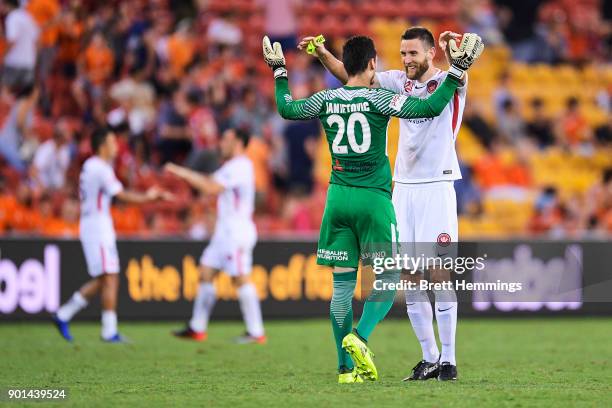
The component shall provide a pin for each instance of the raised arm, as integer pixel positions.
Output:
(331, 63)
(410, 107)
(205, 184)
(308, 108)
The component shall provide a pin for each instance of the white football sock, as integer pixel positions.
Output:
(421, 318)
(109, 324)
(67, 311)
(446, 316)
(202, 307)
(251, 310)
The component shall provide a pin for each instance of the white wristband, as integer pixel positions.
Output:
(455, 71)
(280, 72)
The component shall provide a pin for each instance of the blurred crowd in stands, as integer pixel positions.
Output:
(170, 76)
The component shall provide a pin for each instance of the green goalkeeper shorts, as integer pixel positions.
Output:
(358, 223)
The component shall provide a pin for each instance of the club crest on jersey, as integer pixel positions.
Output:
(408, 85)
(444, 239)
(397, 102)
(432, 85)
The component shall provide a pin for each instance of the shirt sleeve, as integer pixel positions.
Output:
(112, 186)
(308, 108)
(409, 107)
(388, 80)
(230, 176)
(12, 27)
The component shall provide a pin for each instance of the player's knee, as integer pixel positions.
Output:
(110, 280)
(240, 280)
(206, 274)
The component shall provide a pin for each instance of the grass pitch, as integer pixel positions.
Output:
(501, 363)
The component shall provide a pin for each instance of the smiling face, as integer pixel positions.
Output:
(416, 57)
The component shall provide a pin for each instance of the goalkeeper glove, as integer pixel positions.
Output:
(463, 56)
(273, 55)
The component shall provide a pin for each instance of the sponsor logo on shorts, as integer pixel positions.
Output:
(432, 85)
(444, 239)
(447, 172)
(332, 255)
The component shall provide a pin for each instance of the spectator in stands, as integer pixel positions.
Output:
(223, 31)
(46, 13)
(250, 113)
(468, 195)
(17, 128)
(301, 138)
(473, 119)
(599, 202)
(502, 93)
(52, 159)
(22, 34)
(173, 132)
(510, 123)
(480, 18)
(547, 212)
(280, 22)
(95, 68)
(540, 127)
(603, 134)
(573, 128)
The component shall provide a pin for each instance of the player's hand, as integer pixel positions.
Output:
(464, 54)
(319, 47)
(155, 194)
(273, 55)
(445, 37)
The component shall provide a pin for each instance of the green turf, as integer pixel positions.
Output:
(510, 362)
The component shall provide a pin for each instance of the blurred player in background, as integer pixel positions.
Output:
(97, 187)
(424, 196)
(231, 246)
(359, 213)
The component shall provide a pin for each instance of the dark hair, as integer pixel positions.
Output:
(572, 102)
(243, 136)
(12, 3)
(420, 33)
(607, 175)
(356, 54)
(98, 137)
(537, 102)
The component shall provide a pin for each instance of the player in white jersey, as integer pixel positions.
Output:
(98, 185)
(423, 195)
(231, 246)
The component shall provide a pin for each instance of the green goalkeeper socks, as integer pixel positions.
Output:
(378, 304)
(341, 313)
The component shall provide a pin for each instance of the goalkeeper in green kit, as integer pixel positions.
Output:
(359, 220)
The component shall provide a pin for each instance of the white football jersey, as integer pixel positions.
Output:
(426, 150)
(235, 205)
(97, 187)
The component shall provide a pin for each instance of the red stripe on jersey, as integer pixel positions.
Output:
(455, 111)
(236, 198)
(99, 200)
(103, 259)
(239, 262)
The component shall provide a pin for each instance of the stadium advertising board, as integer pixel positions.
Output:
(159, 279)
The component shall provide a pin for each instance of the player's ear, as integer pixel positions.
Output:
(431, 53)
(372, 64)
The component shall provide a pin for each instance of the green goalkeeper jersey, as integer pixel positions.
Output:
(355, 121)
